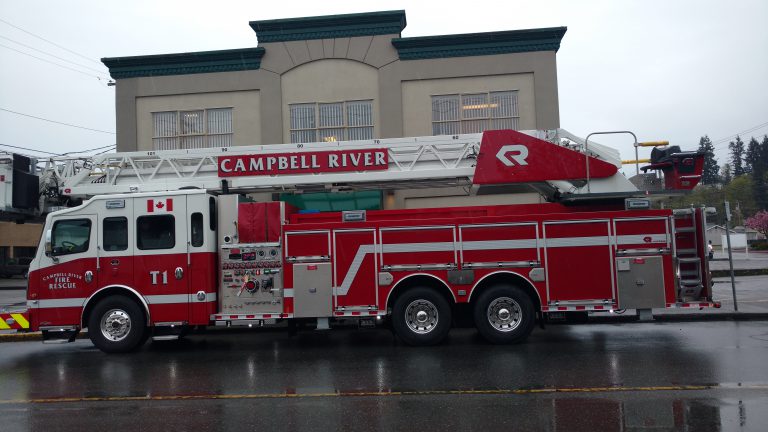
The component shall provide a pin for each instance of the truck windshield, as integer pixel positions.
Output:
(71, 236)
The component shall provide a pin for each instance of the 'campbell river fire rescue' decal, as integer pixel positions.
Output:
(59, 281)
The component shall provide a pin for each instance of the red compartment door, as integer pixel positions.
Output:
(578, 261)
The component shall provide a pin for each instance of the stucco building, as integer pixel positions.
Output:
(341, 77)
(18, 240)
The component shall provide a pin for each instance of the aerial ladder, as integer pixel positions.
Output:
(555, 163)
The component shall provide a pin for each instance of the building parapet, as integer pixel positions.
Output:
(184, 63)
(330, 26)
(473, 44)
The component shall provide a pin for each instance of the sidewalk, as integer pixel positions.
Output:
(751, 298)
(741, 261)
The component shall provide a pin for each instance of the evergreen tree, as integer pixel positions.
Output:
(709, 176)
(737, 156)
(759, 161)
(752, 158)
(725, 174)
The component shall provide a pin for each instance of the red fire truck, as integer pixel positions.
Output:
(163, 240)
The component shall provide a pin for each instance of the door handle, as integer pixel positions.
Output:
(88, 276)
(179, 273)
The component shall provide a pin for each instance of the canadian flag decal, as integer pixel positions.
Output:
(160, 205)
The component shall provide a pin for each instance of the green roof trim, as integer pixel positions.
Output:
(329, 26)
(474, 44)
(184, 63)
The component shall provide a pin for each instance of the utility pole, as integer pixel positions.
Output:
(730, 252)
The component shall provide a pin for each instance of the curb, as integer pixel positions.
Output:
(681, 317)
(32, 336)
(739, 272)
(614, 319)
(18, 337)
(725, 316)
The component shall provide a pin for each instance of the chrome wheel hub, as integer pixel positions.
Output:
(421, 316)
(504, 314)
(115, 325)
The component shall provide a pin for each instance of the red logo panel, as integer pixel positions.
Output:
(303, 163)
(508, 156)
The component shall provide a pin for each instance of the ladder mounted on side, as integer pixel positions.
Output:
(555, 163)
(689, 230)
(424, 161)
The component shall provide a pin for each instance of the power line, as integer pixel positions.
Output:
(29, 149)
(50, 42)
(54, 56)
(102, 152)
(109, 148)
(746, 131)
(54, 63)
(57, 122)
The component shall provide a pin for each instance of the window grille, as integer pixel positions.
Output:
(336, 121)
(192, 129)
(474, 112)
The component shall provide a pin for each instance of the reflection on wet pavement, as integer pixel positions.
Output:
(671, 376)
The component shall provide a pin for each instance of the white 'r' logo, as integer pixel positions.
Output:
(515, 152)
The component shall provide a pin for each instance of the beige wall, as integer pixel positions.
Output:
(330, 80)
(539, 64)
(417, 102)
(228, 84)
(245, 105)
(365, 67)
(341, 69)
(12, 234)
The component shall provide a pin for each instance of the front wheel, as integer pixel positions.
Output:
(421, 316)
(117, 325)
(504, 314)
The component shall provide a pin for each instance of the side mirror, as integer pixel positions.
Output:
(48, 245)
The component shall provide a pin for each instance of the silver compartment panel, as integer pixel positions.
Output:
(312, 290)
(641, 282)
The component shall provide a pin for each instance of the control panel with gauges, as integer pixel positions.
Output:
(251, 279)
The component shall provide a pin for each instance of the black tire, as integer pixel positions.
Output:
(504, 314)
(421, 316)
(125, 319)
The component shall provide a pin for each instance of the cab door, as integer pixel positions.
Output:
(160, 256)
(116, 242)
(203, 281)
(67, 273)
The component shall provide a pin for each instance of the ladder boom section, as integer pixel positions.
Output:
(430, 161)
(553, 162)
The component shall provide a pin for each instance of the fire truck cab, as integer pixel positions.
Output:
(123, 262)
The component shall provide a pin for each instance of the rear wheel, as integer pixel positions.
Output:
(504, 314)
(117, 325)
(421, 316)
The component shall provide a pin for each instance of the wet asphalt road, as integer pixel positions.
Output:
(705, 376)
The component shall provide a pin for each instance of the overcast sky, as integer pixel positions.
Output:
(672, 70)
